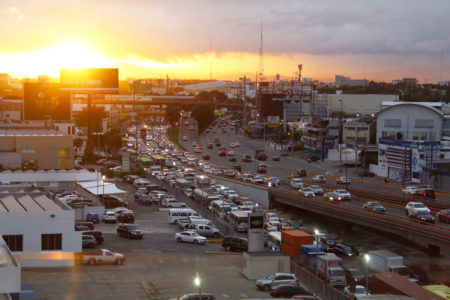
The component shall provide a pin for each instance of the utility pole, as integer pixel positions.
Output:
(340, 138)
(245, 101)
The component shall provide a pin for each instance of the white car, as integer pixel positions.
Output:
(237, 144)
(319, 178)
(109, 217)
(296, 183)
(247, 177)
(160, 176)
(197, 150)
(175, 204)
(190, 237)
(257, 179)
(356, 291)
(308, 192)
(316, 189)
(272, 217)
(232, 145)
(410, 190)
(342, 180)
(344, 194)
(185, 138)
(414, 207)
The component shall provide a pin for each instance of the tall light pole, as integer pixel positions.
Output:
(103, 184)
(367, 259)
(197, 283)
(316, 234)
(340, 138)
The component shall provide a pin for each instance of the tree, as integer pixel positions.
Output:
(95, 118)
(203, 114)
(113, 138)
(88, 156)
(77, 143)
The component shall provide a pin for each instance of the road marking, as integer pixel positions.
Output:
(146, 291)
(244, 295)
(226, 295)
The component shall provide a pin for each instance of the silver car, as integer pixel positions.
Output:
(275, 279)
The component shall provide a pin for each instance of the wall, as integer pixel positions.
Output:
(89, 209)
(259, 265)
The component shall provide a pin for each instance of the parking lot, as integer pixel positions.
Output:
(157, 267)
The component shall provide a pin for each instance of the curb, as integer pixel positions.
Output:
(218, 242)
(222, 253)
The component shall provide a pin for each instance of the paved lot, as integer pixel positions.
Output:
(157, 267)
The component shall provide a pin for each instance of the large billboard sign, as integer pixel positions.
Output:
(44, 101)
(90, 79)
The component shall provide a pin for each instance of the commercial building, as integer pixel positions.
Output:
(38, 230)
(9, 272)
(35, 148)
(340, 80)
(357, 132)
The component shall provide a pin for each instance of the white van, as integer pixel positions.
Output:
(176, 214)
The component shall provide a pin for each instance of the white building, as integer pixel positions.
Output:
(9, 272)
(38, 231)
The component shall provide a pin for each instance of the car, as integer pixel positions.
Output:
(175, 204)
(232, 158)
(316, 189)
(130, 231)
(425, 192)
(197, 150)
(443, 216)
(307, 192)
(261, 155)
(262, 168)
(344, 194)
(205, 156)
(191, 128)
(210, 146)
(109, 217)
(247, 158)
(366, 173)
(232, 145)
(233, 243)
(190, 237)
(88, 241)
(271, 216)
(272, 181)
(205, 296)
(302, 173)
(257, 179)
(319, 178)
(247, 177)
(413, 207)
(356, 291)
(355, 276)
(80, 225)
(422, 216)
(97, 234)
(305, 297)
(101, 161)
(334, 197)
(276, 158)
(345, 251)
(237, 144)
(296, 183)
(284, 153)
(222, 153)
(287, 291)
(92, 217)
(126, 217)
(342, 180)
(374, 206)
(274, 279)
(409, 190)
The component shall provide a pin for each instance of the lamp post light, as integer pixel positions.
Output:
(340, 138)
(316, 234)
(197, 283)
(103, 185)
(367, 259)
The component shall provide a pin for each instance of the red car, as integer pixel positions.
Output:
(222, 153)
(262, 169)
(443, 216)
(214, 131)
(206, 156)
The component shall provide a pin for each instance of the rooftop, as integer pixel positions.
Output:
(10, 203)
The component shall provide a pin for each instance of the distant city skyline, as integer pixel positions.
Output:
(379, 41)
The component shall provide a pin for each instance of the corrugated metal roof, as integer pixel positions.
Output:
(11, 204)
(47, 203)
(2, 207)
(29, 203)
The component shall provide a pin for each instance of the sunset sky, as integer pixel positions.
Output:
(379, 40)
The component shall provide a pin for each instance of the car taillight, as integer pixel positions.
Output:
(296, 280)
(434, 193)
(424, 194)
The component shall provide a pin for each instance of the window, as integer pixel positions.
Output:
(423, 136)
(52, 241)
(14, 242)
(392, 123)
(422, 123)
(415, 136)
(431, 136)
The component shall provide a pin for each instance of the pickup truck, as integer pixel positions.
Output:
(102, 257)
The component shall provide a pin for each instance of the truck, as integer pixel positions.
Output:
(329, 268)
(385, 261)
(292, 240)
(308, 255)
(260, 154)
(103, 256)
(202, 181)
(392, 283)
(204, 196)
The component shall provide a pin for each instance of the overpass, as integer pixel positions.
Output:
(435, 238)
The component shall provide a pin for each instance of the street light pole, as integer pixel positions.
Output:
(198, 284)
(316, 233)
(367, 258)
(103, 184)
(340, 138)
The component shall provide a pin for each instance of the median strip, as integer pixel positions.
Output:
(222, 252)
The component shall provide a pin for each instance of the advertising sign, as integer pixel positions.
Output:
(44, 101)
(90, 79)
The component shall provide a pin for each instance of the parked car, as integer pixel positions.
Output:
(232, 243)
(190, 237)
(195, 297)
(81, 226)
(355, 291)
(92, 217)
(97, 234)
(130, 231)
(287, 291)
(278, 278)
(109, 217)
(247, 158)
(443, 216)
(342, 180)
(88, 241)
(374, 206)
(126, 217)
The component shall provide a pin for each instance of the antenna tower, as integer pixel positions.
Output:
(261, 55)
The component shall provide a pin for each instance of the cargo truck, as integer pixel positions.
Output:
(204, 196)
(384, 261)
(201, 181)
(308, 255)
(292, 240)
(392, 283)
(329, 268)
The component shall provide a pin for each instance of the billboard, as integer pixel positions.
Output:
(44, 101)
(90, 79)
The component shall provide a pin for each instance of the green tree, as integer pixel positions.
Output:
(113, 138)
(95, 118)
(203, 114)
(88, 156)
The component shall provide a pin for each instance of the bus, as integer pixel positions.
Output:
(239, 220)
(158, 160)
(177, 214)
(182, 184)
(274, 241)
(220, 208)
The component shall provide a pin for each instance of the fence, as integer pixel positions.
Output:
(313, 283)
